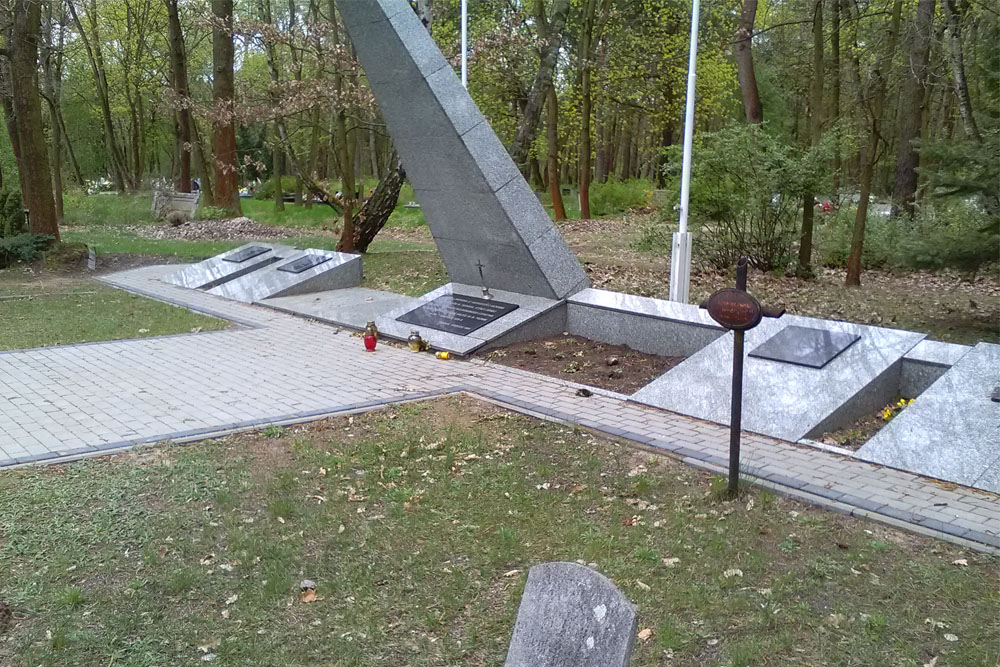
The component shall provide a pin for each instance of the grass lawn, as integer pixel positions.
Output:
(418, 525)
(54, 310)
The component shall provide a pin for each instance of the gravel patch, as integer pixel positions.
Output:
(220, 230)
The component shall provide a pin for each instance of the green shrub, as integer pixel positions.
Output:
(943, 235)
(833, 238)
(266, 189)
(13, 221)
(654, 236)
(615, 197)
(746, 190)
(24, 247)
(957, 237)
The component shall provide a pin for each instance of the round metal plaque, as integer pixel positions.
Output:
(734, 309)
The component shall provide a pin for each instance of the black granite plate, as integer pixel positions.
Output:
(805, 346)
(457, 313)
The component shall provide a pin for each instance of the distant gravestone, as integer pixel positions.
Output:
(571, 616)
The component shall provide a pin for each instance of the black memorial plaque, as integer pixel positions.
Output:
(457, 313)
(805, 346)
(303, 263)
(245, 254)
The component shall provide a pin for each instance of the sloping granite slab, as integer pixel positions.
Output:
(785, 400)
(952, 430)
(352, 307)
(327, 270)
(529, 308)
(229, 265)
(478, 207)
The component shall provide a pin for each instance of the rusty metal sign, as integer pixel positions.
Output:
(734, 309)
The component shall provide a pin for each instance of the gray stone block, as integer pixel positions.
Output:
(564, 273)
(450, 153)
(571, 616)
(350, 307)
(458, 107)
(950, 431)
(782, 400)
(491, 157)
(529, 309)
(505, 268)
(668, 338)
(340, 271)
(219, 269)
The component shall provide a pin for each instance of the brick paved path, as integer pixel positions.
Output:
(63, 402)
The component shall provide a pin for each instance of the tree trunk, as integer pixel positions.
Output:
(33, 162)
(376, 210)
(77, 174)
(178, 70)
(227, 177)
(204, 159)
(279, 167)
(550, 32)
(911, 107)
(835, 87)
(815, 129)
(552, 136)
(956, 59)
(585, 107)
(92, 45)
(869, 150)
(744, 63)
(52, 67)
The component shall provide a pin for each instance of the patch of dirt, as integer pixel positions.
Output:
(856, 434)
(220, 230)
(578, 359)
(853, 436)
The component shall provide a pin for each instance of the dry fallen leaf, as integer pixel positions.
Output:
(671, 562)
(961, 562)
(309, 595)
(642, 585)
(950, 637)
(511, 573)
(232, 599)
(645, 634)
(734, 572)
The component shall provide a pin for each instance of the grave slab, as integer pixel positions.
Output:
(952, 430)
(571, 616)
(786, 400)
(229, 265)
(451, 154)
(449, 336)
(304, 272)
(352, 307)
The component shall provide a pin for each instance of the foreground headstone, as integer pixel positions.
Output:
(481, 212)
(571, 616)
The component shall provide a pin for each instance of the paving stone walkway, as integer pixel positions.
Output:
(78, 400)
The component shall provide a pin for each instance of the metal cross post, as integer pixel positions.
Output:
(735, 309)
(482, 280)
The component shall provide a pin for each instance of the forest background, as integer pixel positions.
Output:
(869, 118)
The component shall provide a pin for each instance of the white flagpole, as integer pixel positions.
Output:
(680, 251)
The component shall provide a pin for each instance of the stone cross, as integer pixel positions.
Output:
(571, 616)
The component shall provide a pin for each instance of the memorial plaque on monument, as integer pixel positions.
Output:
(457, 313)
(303, 263)
(246, 253)
(805, 346)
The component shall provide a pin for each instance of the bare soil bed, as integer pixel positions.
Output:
(233, 229)
(614, 367)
